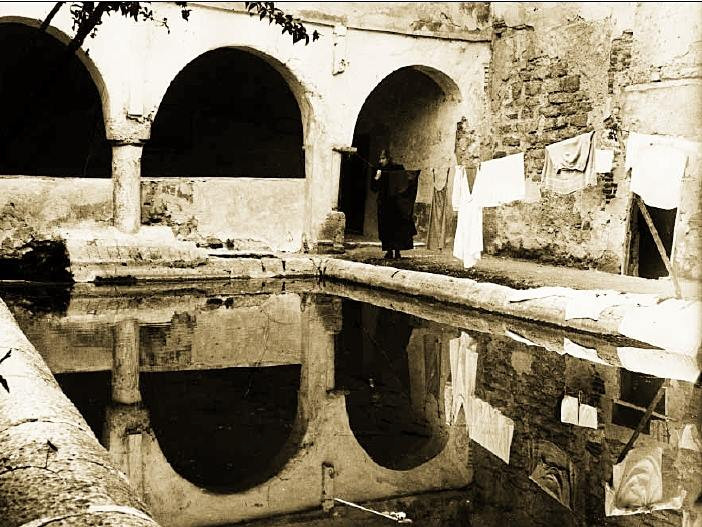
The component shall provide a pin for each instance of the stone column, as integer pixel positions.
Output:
(125, 362)
(126, 184)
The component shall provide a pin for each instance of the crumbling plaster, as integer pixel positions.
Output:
(558, 70)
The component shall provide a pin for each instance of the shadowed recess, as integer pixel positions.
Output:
(224, 430)
(228, 113)
(51, 109)
(392, 421)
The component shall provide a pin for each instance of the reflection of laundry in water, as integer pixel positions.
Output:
(674, 325)
(587, 416)
(569, 410)
(659, 363)
(581, 352)
(638, 484)
(543, 339)
(519, 338)
(575, 413)
(491, 429)
(690, 438)
(553, 472)
(464, 367)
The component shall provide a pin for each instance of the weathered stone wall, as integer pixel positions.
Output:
(559, 70)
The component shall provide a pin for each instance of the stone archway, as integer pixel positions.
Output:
(413, 112)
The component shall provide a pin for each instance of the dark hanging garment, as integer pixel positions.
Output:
(397, 192)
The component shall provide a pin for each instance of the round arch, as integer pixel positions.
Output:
(61, 131)
(413, 111)
(235, 107)
(88, 62)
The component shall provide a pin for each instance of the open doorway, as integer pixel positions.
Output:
(644, 259)
(412, 113)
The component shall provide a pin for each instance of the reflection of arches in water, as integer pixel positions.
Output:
(52, 106)
(391, 421)
(225, 430)
(90, 393)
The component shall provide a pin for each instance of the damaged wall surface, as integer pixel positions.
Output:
(559, 70)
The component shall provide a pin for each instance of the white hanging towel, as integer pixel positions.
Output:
(581, 352)
(459, 181)
(468, 240)
(604, 159)
(569, 164)
(657, 170)
(500, 181)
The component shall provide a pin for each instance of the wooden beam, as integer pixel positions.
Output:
(659, 243)
(642, 424)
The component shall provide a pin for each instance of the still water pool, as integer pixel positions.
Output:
(242, 401)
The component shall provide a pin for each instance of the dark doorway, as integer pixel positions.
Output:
(354, 180)
(644, 259)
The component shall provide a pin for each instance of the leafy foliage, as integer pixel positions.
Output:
(88, 16)
(290, 25)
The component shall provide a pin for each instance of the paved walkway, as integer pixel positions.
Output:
(522, 274)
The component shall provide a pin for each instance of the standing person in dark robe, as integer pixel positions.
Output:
(397, 190)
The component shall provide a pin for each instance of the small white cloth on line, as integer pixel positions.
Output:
(468, 240)
(604, 159)
(500, 181)
(490, 428)
(657, 170)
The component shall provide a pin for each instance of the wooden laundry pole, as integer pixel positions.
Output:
(659, 243)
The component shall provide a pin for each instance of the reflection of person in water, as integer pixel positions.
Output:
(396, 190)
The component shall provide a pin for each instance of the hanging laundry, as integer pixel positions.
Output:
(657, 170)
(437, 215)
(569, 164)
(500, 181)
(690, 438)
(468, 240)
(604, 159)
(638, 485)
(674, 325)
(488, 427)
(459, 183)
(659, 363)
